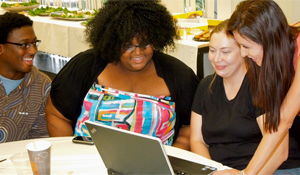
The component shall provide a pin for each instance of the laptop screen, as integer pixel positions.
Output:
(127, 152)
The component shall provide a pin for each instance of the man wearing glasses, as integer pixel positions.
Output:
(23, 88)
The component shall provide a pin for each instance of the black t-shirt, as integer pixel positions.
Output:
(75, 79)
(229, 127)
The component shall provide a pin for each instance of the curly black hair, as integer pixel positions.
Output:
(11, 21)
(119, 21)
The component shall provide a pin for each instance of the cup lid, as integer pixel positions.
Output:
(38, 145)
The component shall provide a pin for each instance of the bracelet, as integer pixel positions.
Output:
(242, 172)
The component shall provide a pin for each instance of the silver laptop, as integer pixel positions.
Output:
(126, 152)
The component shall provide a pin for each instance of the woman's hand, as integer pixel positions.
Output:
(228, 172)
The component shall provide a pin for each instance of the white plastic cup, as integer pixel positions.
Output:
(40, 157)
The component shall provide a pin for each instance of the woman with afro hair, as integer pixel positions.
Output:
(125, 80)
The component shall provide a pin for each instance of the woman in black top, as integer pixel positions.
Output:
(128, 38)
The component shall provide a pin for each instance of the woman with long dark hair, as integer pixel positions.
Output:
(270, 43)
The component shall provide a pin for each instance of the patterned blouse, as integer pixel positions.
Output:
(154, 116)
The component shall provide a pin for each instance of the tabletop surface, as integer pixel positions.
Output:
(68, 158)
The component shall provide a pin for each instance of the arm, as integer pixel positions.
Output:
(183, 139)
(39, 127)
(289, 109)
(259, 163)
(57, 124)
(188, 86)
(198, 145)
(270, 141)
(279, 156)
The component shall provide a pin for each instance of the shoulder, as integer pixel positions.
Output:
(84, 58)
(169, 67)
(84, 65)
(203, 93)
(38, 83)
(168, 60)
(209, 85)
(40, 77)
(177, 75)
(205, 82)
(85, 61)
(43, 77)
(297, 51)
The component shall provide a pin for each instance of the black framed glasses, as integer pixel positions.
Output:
(26, 46)
(131, 48)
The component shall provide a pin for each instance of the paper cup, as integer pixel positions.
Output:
(40, 157)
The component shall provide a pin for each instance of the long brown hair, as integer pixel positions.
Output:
(263, 22)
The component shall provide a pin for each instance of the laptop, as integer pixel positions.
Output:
(127, 152)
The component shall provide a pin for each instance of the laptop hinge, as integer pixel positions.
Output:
(112, 172)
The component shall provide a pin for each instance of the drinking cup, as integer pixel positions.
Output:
(21, 163)
(40, 157)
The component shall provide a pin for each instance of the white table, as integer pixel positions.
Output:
(69, 158)
(60, 37)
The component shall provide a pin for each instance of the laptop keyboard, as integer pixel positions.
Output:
(185, 167)
(176, 172)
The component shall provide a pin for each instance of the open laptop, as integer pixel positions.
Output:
(126, 152)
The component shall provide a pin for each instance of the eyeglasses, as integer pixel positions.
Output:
(131, 48)
(26, 46)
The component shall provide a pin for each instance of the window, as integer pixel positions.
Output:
(200, 4)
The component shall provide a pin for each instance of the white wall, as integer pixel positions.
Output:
(290, 9)
(226, 7)
(174, 6)
(296, 11)
(177, 6)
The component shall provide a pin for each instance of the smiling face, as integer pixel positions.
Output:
(224, 55)
(249, 48)
(137, 59)
(15, 61)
